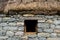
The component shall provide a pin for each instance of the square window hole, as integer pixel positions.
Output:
(30, 25)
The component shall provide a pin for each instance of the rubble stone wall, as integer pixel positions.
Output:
(12, 28)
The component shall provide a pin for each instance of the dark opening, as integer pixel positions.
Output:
(30, 25)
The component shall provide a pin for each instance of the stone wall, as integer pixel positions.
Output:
(12, 28)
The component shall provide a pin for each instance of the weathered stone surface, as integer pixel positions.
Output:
(21, 28)
(49, 17)
(42, 38)
(58, 35)
(40, 30)
(3, 37)
(41, 20)
(53, 38)
(27, 15)
(43, 25)
(52, 26)
(0, 19)
(19, 23)
(6, 18)
(48, 30)
(53, 35)
(2, 32)
(3, 24)
(56, 22)
(12, 24)
(57, 27)
(10, 28)
(57, 30)
(14, 38)
(49, 21)
(43, 34)
(27, 1)
(9, 33)
(32, 36)
(19, 33)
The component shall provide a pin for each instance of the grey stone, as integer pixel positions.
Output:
(0, 19)
(53, 38)
(20, 23)
(52, 26)
(40, 30)
(58, 34)
(6, 18)
(19, 33)
(25, 1)
(53, 35)
(3, 24)
(10, 28)
(3, 37)
(12, 19)
(1, 27)
(14, 38)
(21, 28)
(42, 38)
(49, 17)
(32, 36)
(42, 20)
(2, 32)
(57, 27)
(43, 25)
(12, 24)
(48, 30)
(2, 15)
(9, 33)
(56, 22)
(43, 34)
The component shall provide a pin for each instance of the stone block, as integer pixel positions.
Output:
(9, 33)
(49, 17)
(42, 38)
(41, 20)
(19, 33)
(12, 19)
(49, 21)
(51, 0)
(53, 35)
(10, 28)
(52, 26)
(57, 27)
(56, 22)
(40, 30)
(43, 25)
(21, 28)
(58, 35)
(0, 19)
(3, 24)
(14, 38)
(3, 37)
(53, 38)
(12, 24)
(32, 36)
(20, 23)
(43, 34)
(2, 32)
(27, 1)
(57, 30)
(6, 18)
(48, 30)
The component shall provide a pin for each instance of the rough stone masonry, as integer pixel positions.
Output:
(12, 27)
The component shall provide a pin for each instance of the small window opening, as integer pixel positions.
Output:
(30, 25)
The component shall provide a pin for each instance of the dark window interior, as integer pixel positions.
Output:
(30, 25)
